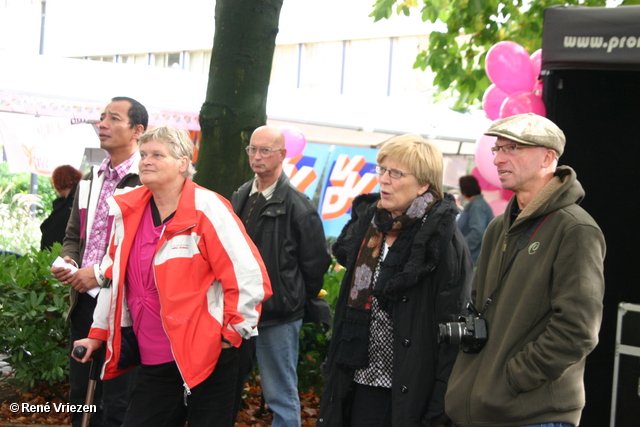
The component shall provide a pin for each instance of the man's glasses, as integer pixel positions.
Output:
(264, 152)
(392, 172)
(510, 148)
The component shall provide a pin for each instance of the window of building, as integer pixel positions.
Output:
(284, 71)
(404, 78)
(107, 58)
(137, 59)
(168, 59)
(366, 65)
(198, 61)
(174, 60)
(321, 67)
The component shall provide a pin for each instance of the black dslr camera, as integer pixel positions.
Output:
(470, 331)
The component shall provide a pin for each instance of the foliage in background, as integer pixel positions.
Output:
(314, 345)
(22, 213)
(457, 55)
(314, 342)
(22, 184)
(20, 227)
(332, 281)
(32, 319)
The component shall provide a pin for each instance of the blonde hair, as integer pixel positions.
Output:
(423, 159)
(178, 142)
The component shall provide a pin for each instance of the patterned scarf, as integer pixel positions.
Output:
(353, 349)
(382, 224)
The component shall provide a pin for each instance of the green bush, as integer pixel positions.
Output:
(20, 183)
(314, 342)
(20, 226)
(21, 212)
(32, 319)
(332, 281)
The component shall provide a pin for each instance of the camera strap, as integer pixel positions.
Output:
(523, 241)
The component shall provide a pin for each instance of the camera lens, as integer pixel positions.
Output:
(450, 333)
(455, 331)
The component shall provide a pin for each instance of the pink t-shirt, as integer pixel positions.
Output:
(142, 294)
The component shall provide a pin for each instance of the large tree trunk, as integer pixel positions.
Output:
(236, 101)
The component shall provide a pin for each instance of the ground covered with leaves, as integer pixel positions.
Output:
(251, 414)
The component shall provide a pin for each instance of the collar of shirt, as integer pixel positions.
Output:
(120, 171)
(267, 193)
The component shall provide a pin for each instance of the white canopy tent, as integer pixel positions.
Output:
(78, 89)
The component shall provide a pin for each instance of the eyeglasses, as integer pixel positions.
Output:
(265, 152)
(392, 172)
(510, 148)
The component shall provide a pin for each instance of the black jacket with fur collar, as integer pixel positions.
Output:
(428, 283)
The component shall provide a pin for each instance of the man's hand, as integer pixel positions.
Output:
(83, 280)
(63, 274)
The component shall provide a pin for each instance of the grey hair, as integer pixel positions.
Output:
(178, 142)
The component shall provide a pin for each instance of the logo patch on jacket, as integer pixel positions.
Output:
(181, 246)
(533, 247)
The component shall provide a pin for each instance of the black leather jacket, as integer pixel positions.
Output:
(292, 244)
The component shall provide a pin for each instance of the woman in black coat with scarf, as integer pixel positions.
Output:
(408, 269)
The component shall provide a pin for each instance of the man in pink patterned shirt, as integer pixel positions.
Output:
(87, 236)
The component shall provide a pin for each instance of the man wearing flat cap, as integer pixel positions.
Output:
(539, 287)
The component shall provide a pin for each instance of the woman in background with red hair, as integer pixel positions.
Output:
(64, 179)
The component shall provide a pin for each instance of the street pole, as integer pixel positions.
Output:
(34, 177)
(44, 13)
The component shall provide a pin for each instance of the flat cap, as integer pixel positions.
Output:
(529, 129)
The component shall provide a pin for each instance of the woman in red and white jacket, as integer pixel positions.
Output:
(184, 286)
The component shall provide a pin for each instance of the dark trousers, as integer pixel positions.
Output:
(246, 362)
(158, 398)
(371, 406)
(112, 396)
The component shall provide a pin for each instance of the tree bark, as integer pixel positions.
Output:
(236, 101)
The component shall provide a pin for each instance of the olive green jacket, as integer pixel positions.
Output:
(544, 318)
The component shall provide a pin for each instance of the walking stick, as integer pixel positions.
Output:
(94, 376)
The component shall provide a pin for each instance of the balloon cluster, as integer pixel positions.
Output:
(515, 88)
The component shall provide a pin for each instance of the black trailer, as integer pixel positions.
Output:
(591, 77)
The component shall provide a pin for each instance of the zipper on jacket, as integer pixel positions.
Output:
(187, 391)
(177, 232)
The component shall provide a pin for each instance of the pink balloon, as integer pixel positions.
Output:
(294, 141)
(482, 181)
(521, 103)
(509, 67)
(484, 160)
(505, 194)
(536, 62)
(492, 100)
(498, 206)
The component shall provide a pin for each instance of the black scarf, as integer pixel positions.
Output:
(353, 348)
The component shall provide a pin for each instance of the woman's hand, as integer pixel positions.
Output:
(90, 344)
